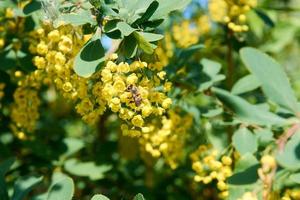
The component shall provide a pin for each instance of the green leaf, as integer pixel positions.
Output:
(4, 168)
(265, 17)
(290, 157)
(295, 177)
(73, 145)
(139, 196)
(246, 177)
(211, 70)
(264, 136)
(6, 165)
(31, 7)
(271, 76)
(143, 44)
(24, 185)
(99, 197)
(151, 37)
(129, 46)
(245, 84)
(89, 169)
(90, 57)
(111, 25)
(247, 112)
(125, 28)
(167, 6)
(244, 141)
(149, 12)
(62, 189)
(77, 19)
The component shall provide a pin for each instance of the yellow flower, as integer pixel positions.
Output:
(132, 79)
(39, 62)
(54, 36)
(161, 75)
(42, 48)
(119, 86)
(166, 103)
(137, 121)
(67, 87)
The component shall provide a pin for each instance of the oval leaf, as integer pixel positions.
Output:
(271, 76)
(247, 112)
(245, 84)
(244, 141)
(63, 189)
(90, 57)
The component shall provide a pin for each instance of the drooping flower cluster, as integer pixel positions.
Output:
(166, 138)
(209, 168)
(24, 111)
(232, 13)
(55, 50)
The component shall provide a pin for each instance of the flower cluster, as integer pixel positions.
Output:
(188, 32)
(165, 138)
(55, 50)
(24, 111)
(127, 90)
(232, 13)
(209, 167)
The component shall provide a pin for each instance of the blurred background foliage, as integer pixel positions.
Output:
(98, 157)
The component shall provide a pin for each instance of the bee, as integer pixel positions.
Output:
(137, 99)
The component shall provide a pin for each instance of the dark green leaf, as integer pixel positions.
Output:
(248, 176)
(4, 168)
(149, 12)
(129, 46)
(265, 17)
(31, 7)
(90, 57)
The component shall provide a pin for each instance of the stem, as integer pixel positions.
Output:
(282, 140)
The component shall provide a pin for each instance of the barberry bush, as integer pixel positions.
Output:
(149, 99)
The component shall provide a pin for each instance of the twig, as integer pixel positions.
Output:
(282, 140)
